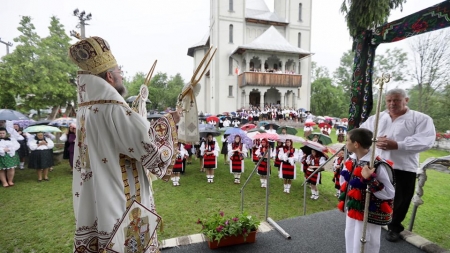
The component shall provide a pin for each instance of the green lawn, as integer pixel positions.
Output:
(38, 217)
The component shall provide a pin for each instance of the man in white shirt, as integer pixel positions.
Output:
(226, 122)
(402, 135)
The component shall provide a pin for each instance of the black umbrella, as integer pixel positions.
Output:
(41, 122)
(154, 116)
(8, 114)
(206, 132)
(132, 98)
(274, 126)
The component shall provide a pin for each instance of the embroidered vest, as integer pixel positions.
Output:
(354, 190)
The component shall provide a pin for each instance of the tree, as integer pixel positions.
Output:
(18, 72)
(318, 72)
(363, 15)
(392, 62)
(343, 74)
(327, 99)
(431, 66)
(57, 68)
(134, 85)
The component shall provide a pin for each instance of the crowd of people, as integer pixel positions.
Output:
(120, 162)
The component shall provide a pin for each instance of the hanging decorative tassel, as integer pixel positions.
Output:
(355, 194)
(340, 206)
(343, 187)
(385, 207)
(357, 172)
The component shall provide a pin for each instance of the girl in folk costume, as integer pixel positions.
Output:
(23, 150)
(41, 156)
(262, 168)
(256, 144)
(288, 155)
(275, 154)
(237, 151)
(356, 177)
(310, 164)
(225, 149)
(307, 130)
(340, 132)
(338, 161)
(209, 150)
(188, 146)
(178, 167)
(8, 158)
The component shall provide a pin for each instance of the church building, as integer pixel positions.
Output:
(263, 57)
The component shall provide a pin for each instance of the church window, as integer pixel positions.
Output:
(231, 34)
(299, 12)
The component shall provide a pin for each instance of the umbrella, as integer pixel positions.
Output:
(248, 126)
(342, 127)
(274, 126)
(244, 139)
(202, 118)
(310, 124)
(24, 123)
(244, 121)
(206, 132)
(325, 139)
(233, 113)
(265, 136)
(316, 146)
(41, 122)
(320, 117)
(226, 113)
(328, 118)
(263, 123)
(132, 98)
(333, 148)
(344, 120)
(213, 118)
(41, 128)
(323, 124)
(251, 135)
(234, 130)
(62, 122)
(289, 130)
(256, 130)
(293, 138)
(8, 114)
(154, 116)
(206, 127)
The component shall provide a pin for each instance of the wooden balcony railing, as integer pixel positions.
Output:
(269, 79)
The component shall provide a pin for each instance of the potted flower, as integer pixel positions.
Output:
(224, 230)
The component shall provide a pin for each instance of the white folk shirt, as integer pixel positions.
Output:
(116, 148)
(11, 144)
(414, 132)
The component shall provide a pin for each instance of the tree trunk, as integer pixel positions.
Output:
(54, 113)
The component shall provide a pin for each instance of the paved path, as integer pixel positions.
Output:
(317, 233)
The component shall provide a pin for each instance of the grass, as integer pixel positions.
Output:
(38, 217)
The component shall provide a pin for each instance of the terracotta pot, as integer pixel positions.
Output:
(232, 240)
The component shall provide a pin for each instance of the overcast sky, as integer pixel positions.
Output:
(140, 31)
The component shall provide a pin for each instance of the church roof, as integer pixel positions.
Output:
(203, 42)
(271, 40)
(258, 10)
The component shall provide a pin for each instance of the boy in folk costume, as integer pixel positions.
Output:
(237, 151)
(338, 161)
(8, 158)
(210, 150)
(178, 167)
(262, 168)
(356, 176)
(310, 164)
(288, 155)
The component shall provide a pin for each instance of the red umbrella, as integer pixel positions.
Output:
(248, 126)
(265, 136)
(323, 124)
(310, 124)
(213, 118)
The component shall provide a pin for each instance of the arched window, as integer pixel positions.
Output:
(299, 39)
(299, 12)
(231, 34)
(230, 5)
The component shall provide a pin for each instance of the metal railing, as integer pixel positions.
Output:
(267, 218)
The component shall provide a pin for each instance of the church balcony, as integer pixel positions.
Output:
(269, 79)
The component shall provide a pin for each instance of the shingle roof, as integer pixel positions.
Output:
(257, 9)
(203, 42)
(272, 40)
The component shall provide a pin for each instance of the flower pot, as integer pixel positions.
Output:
(232, 240)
